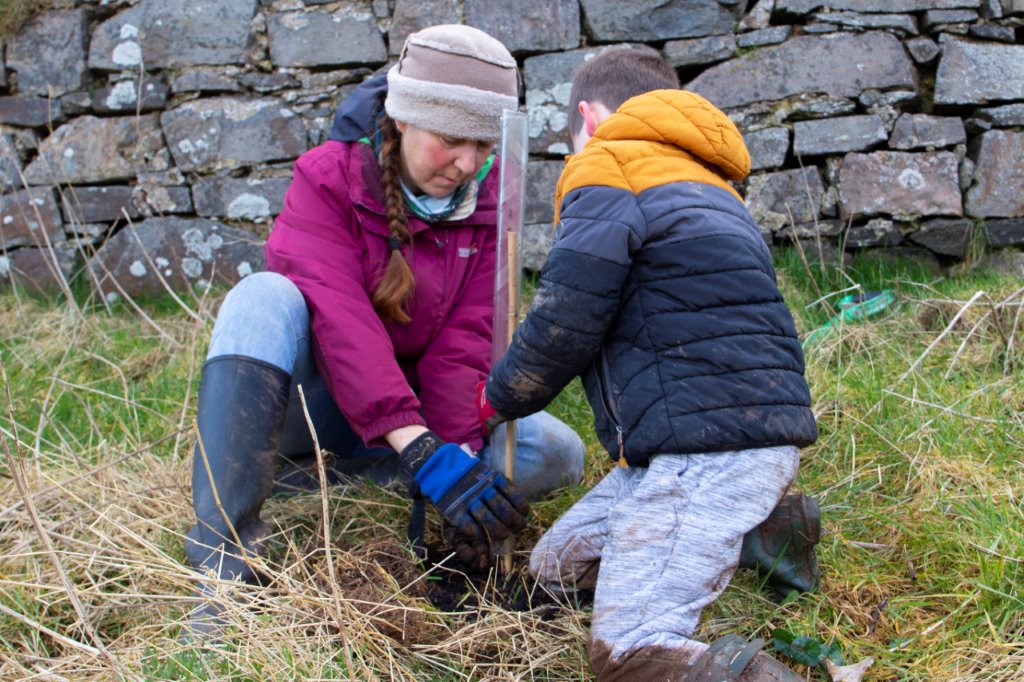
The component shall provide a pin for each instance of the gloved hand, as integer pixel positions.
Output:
(477, 501)
(475, 553)
(489, 417)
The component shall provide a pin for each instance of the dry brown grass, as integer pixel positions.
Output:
(91, 531)
(918, 475)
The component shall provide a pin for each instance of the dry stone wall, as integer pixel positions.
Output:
(149, 143)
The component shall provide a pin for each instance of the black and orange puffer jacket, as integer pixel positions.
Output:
(660, 292)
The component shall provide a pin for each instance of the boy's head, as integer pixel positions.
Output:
(603, 83)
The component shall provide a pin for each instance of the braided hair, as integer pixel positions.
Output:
(391, 296)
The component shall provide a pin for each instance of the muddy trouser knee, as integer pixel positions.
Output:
(668, 540)
(243, 398)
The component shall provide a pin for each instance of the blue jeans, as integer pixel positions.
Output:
(265, 317)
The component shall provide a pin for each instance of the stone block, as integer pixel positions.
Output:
(410, 16)
(789, 197)
(975, 73)
(937, 17)
(944, 236)
(49, 52)
(802, 7)
(1005, 263)
(839, 65)
(528, 25)
(768, 147)
(837, 135)
(541, 179)
(30, 111)
(991, 9)
(1005, 232)
(10, 163)
(877, 232)
(104, 204)
(29, 218)
(226, 132)
(998, 176)
(903, 24)
(696, 51)
(186, 254)
(759, 17)
(918, 131)
(812, 230)
(1002, 34)
(76, 103)
(612, 20)
(923, 49)
(765, 36)
(205, 80)
(38, 270)
(253, 199)
(155, 199)
(816, 106)
(1006, 116)
(322, 38)
(536, 244)
(548, 79)
(173, 33)
(899, 184)
(267, 82)
(92, 150)
(126, 96)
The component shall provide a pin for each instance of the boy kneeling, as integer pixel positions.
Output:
(659, 292)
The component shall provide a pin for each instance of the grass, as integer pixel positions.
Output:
(918, 470)
(14, 13)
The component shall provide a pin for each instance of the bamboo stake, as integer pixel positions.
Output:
(510, 426)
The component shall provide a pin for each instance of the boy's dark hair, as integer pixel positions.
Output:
(615, 75)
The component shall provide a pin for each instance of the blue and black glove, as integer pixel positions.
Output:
(481, 504)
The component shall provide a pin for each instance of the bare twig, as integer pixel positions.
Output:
(322, 470)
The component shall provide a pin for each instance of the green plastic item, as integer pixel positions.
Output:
(852, 308)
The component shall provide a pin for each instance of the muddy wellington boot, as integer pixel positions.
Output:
(731, 659)
(782, 548)
(242, 403)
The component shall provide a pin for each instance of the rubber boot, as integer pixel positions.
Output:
(782, 549)
(242, 405)
(731, 659)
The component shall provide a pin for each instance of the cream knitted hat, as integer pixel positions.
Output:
(453, 80)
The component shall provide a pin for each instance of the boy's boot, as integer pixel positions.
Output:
(782, 548)
(731, 659)
(242, 404)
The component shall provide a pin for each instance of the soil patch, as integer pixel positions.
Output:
(453, 588)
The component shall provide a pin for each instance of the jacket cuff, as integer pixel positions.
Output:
(373, 434)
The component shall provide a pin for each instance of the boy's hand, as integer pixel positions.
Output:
(479, 502)
(489, 418)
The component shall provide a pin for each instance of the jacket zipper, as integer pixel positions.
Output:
(611, 409)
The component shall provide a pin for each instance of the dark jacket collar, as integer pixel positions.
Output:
(355, 116)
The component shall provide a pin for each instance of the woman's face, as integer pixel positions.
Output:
(435, 164)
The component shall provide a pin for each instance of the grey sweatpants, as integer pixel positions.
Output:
(659, 544)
